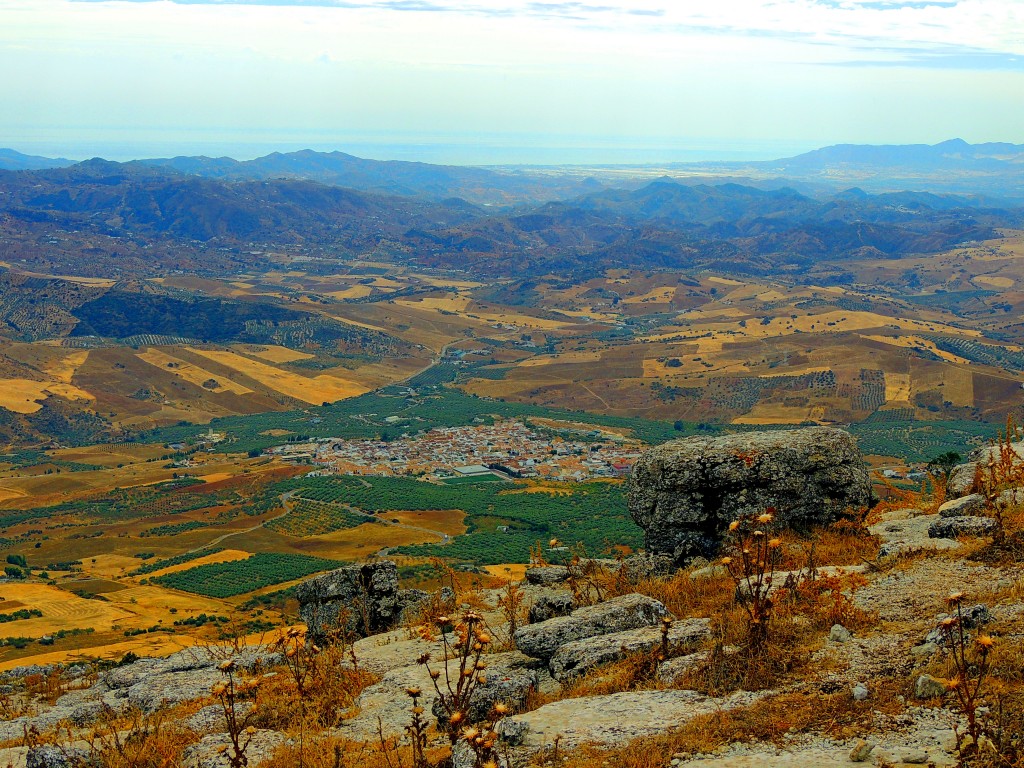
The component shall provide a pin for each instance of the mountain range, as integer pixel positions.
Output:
(127, 218)
(994, 169)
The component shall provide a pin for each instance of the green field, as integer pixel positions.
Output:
(240, 576)
(502, 525)
(314, 518)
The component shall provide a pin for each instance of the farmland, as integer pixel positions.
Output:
(238, 577)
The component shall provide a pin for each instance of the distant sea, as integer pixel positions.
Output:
(469, 150)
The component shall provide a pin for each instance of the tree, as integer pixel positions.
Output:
(17, 560)
(14, 572)
(941, 467)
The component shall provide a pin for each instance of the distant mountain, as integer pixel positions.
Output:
(952, 154)
(136, 200)
(11, 160)
(392, 177)
(992, 169)
(135, 218)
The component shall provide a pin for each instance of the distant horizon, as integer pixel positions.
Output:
(486, 151)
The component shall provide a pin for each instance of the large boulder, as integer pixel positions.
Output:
(541, 641)
(685, 493)
(364, 599)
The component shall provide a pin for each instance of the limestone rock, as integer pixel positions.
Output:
(612, 719)
(861, 751)
(685, 493)
(671, 670)
(961, 479)
(839, 634)
(951, 527)
(547, 574)
(621, 613)
(965, 505)
(364, 598)
(906, 536)
(48, 756)
(549, 606)
(208, 752)
(928, 687)
(580, 656)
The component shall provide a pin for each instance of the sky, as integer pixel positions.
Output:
(502, 81)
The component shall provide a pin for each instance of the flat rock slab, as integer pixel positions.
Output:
(614, 719)
(965, 505)
(580, 656)
(900, 537)
(616, 615)
(948, 527)
(507, 674)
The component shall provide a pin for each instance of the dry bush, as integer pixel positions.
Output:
(319, 685)
(132, 740)
(637, 671)
(326, 750)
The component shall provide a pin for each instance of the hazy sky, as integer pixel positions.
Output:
(480, 80)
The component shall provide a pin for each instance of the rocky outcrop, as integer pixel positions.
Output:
(616, 615)
(965, 505)
(613, 719)
(685, 493)
(364, 599)
(549, 606)
(580, 656)
(547, 574)
(951, 527)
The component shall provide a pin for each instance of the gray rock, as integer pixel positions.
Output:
(961, 479)
(685, 493)
(464, 757)
(612, 719)
(507, 683)
(580, 656)
(48, 756)
(908, 535)
(839, 634)
(976, 616)
(928, 687)
(647, 566)
(951, 527)
(914, 756)
(509, 678)
(924, 650)
(671, 670)
(965, 505)
(357, 598)
(551, 605)
(156, 691)
(412, 602)
(861, 751)
(860, 692)
(209, 752)
(621, 613)
(547, 574)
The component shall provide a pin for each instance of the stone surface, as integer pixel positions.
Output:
(47, 756)
(548, 606)
(951, 527)
(839, 634)
(860, 692)
(647, 566)
(861, 751)
(616, 615)
(580, 656)
(359, 598)
(961, 479)
(928, 687)
(965, 505)
(547, 574)
(612, 719)
(685, 493)
(209, 752)
(909, 535)
(509, 678)
(671, 670)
